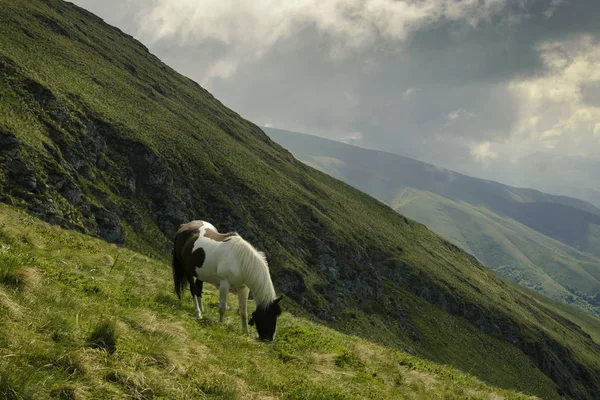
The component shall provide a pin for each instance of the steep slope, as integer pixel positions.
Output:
(51, 280)
(472, 214)
(98, 135)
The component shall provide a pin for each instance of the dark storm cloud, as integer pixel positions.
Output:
(433, 81)
(498, 49)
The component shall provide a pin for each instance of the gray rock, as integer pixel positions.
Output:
(133, 218)
(109, 225)
(291, 283)
(22, 173)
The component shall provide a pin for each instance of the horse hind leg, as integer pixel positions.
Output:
(224, 290)
(196, 294)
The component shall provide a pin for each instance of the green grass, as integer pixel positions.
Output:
(512, 249)
(98, 115)
(590, 324)
(78, 325)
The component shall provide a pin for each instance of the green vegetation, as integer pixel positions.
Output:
(86, 319)
(589, 323)
(479, 216)
(99, 136)
(513, 250)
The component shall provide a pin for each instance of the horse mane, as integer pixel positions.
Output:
(256, 270)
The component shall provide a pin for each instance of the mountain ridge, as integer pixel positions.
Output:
(452, 175)
(571, 175)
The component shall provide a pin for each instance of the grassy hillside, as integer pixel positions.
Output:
(99, 136)
(80, 318)
(472, 219)
(513, 250)
(588, 322)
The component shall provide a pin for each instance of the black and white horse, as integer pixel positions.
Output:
(226, 261)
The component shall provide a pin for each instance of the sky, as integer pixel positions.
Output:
(470, 85)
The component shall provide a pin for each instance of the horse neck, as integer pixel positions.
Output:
(255, 271)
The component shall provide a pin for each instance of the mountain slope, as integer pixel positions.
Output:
(472, 214)
(155, 348)
(99, 136)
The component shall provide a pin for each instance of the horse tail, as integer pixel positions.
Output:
(178, 275)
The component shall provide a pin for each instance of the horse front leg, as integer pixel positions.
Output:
(199, 285)
(196, 291)
(243, 302)
(224, 290)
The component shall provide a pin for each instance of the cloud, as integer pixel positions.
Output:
(250, 29)
(559, 108)
(482, 152)
(464, 84)
(354, 138)
(458, 115)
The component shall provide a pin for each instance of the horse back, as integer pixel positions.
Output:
(197, 241)
(184, 243)
(190, 226)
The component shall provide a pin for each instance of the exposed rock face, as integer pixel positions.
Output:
(291, 283)
(86, 156)
(403, 322)
(109, 225)
(133, 217)
(20, 172)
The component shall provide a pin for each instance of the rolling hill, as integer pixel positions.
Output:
(516, 232)
(98, 136)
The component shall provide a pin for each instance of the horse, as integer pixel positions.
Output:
(226, 261)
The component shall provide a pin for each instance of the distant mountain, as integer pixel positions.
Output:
(575, 176)
(548, 243)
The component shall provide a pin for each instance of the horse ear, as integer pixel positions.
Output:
(277, 300)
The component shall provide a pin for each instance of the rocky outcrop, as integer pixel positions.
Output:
(291, 283)
(18, 171)
(109, 225)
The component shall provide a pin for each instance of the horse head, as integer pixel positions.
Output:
(265, 319)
